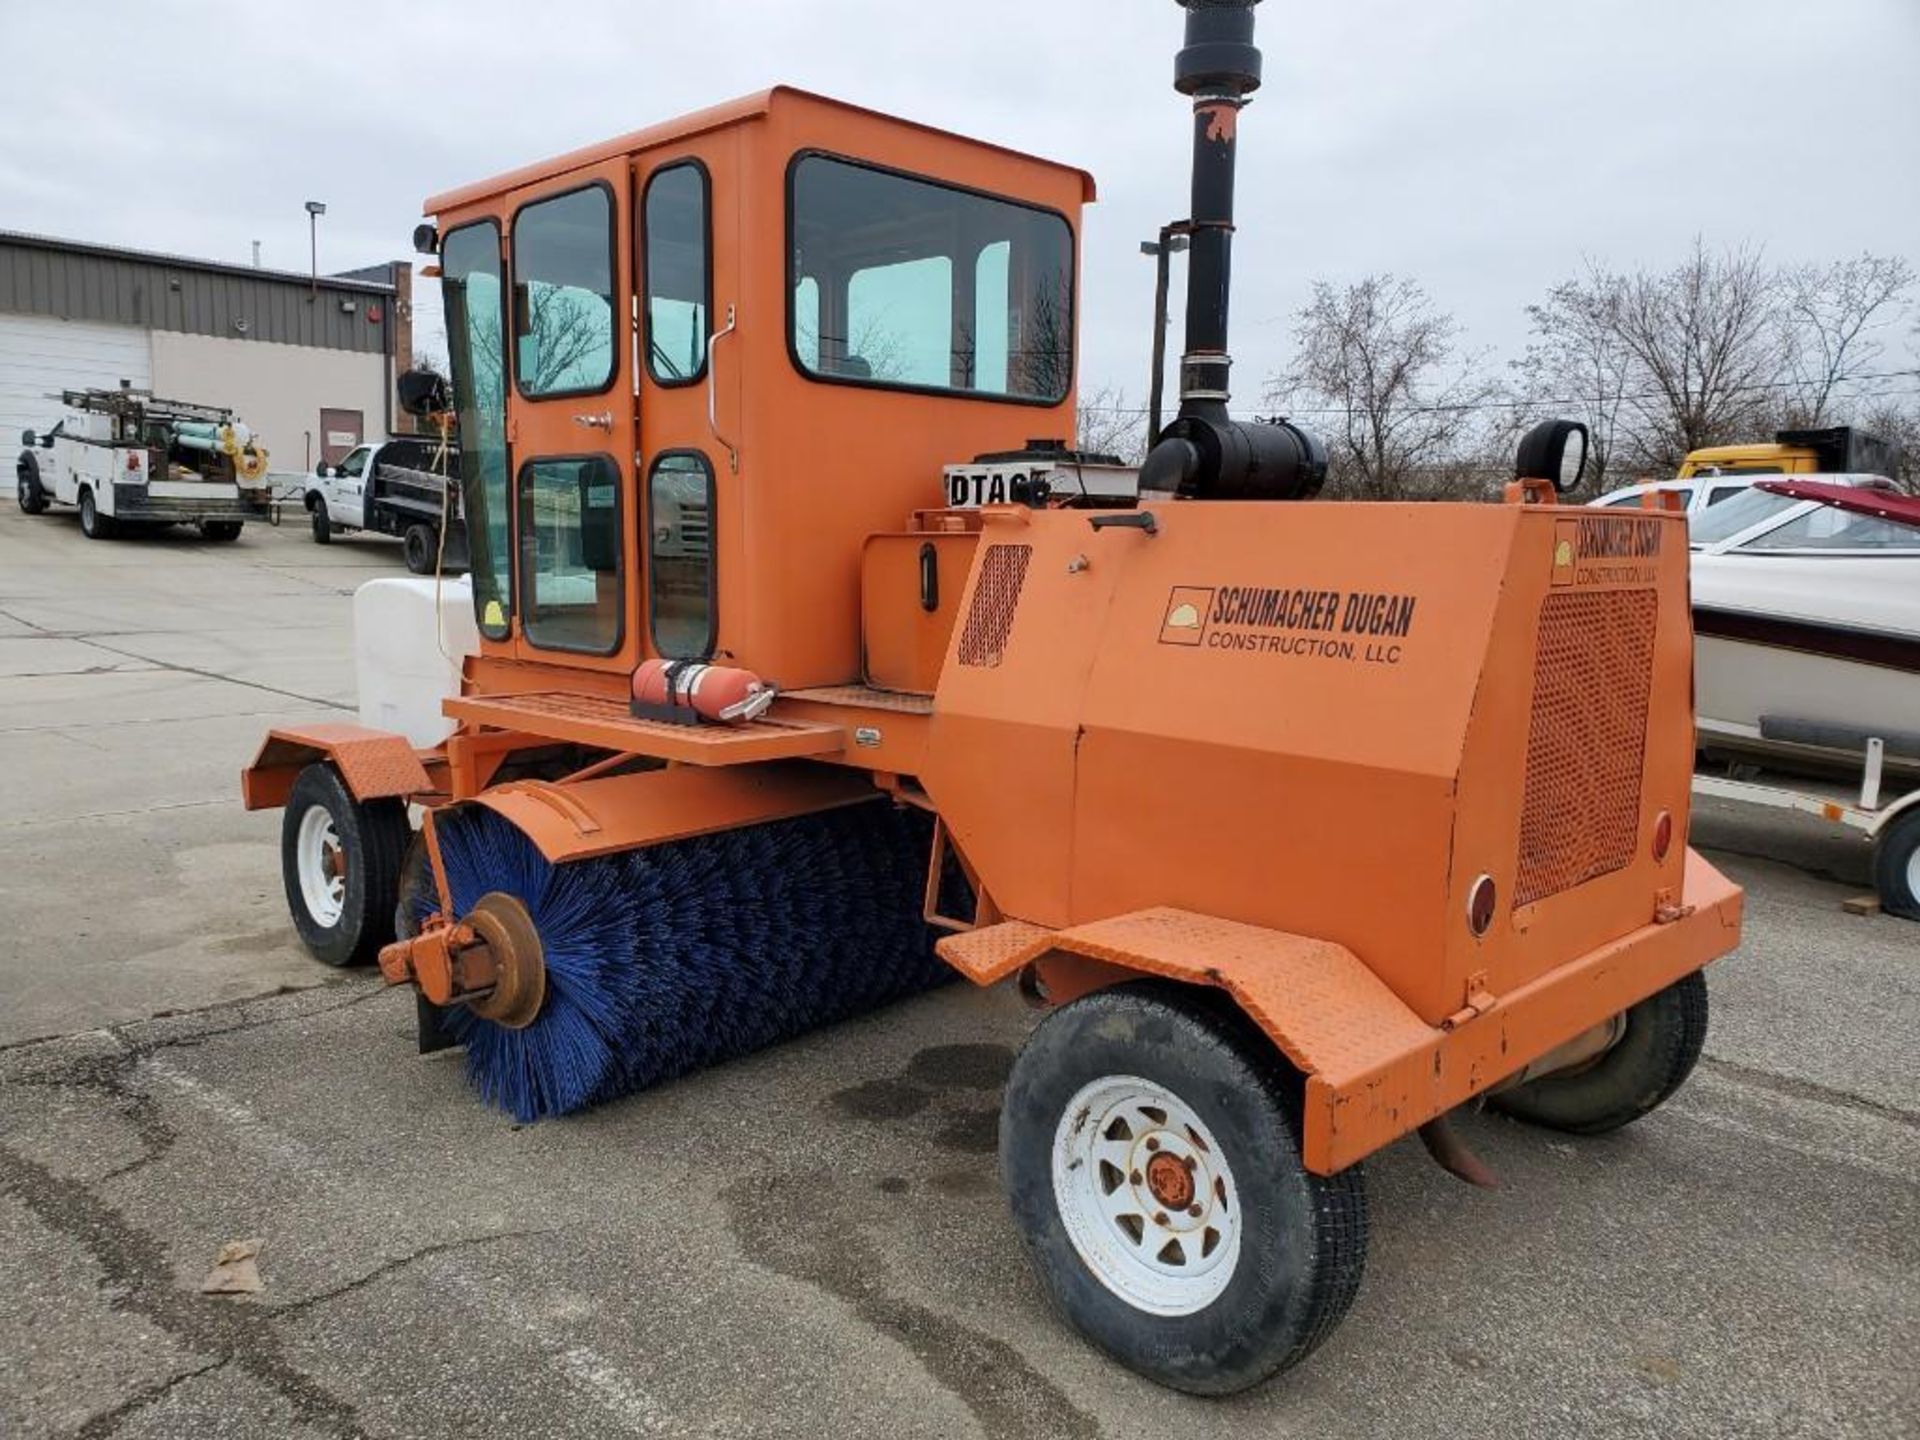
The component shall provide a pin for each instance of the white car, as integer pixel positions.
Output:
(1701, 492)
(1696, 493)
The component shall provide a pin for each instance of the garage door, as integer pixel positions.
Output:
(40, 356)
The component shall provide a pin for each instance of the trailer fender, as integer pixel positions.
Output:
(1374, 1070)
(1891, 812)
(375, 764)
(1327, 1013)
(574, 820)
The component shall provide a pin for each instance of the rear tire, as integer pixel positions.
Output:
(220, 530)
(322, 522)
(1649, 1062)
(340, 863)
(31, 495)
(1896, 867)
(1133, 1102)
(93, 524)
(420, 545)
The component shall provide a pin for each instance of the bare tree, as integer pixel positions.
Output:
(1831, 314)
(1899, 423)
(1107, 425)
(1378, 373)
(1578, 366)
(1707, 352)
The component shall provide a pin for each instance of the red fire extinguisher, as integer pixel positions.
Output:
(686, 692)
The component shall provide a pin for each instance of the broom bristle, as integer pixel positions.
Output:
(663, 960)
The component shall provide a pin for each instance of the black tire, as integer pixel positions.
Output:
(1896, 867)
(420, 545)
(1649, 1062)
(373, 837)
(1303, 1237)
(221, 530)
(322, 522)
(30, 493)
(93, 524)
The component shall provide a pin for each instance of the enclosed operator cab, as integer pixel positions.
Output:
(696, 367)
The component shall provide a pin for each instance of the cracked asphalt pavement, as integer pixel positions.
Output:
(811, 1241)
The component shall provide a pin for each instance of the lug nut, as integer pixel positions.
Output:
(1134, 1178)
(1152, 1144)
(1194, 1211)
(1160, 1217)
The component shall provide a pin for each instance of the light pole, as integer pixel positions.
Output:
(314, 211)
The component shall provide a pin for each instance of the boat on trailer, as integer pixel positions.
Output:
(1806, 617)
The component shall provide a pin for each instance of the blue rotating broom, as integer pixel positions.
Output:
(666, 959)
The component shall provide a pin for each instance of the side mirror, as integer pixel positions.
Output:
(26, 437)
(1555, 451)
(322, 470)
(423, 393)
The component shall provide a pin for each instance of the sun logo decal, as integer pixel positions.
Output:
(1185, 620)
(1566, 550)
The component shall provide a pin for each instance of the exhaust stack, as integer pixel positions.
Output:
(1205, 454)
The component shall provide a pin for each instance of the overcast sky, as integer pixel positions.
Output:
(1481, 146)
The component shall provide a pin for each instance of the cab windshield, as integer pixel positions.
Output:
(475, 309)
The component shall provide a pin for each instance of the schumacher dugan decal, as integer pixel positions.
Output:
(1606, 550)
(1364, 626)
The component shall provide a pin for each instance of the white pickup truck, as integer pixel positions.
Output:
(394, 487)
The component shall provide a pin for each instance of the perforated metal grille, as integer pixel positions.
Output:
(1580, 816)
(1003, 570)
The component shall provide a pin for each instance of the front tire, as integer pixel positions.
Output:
(1896, 867)
(340, 863)
(419, 546)
(30, 493)
(93, 524)
(1655, 1053)
(322, 522)
(1150, 1148)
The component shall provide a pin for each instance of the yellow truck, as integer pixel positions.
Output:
(1840, 449)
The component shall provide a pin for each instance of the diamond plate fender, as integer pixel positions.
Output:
(375, 764)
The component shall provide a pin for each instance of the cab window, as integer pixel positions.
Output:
(680, 555)
(355, 465)
(570, 554)
(899, 281)
(678, 303)
(563, 302)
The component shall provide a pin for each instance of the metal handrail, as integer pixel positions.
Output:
(713, 393)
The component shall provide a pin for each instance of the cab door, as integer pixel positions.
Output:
(572, 426)
(688, 483)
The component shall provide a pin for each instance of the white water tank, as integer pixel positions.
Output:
(407, 649)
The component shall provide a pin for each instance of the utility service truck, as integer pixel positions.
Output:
(127, 459)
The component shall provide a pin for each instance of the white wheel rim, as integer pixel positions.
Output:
(1118, 1154)
(321, 861)
(1913, 872)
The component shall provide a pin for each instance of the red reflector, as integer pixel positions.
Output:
(133, 460)
(1663, 835)
(1480, 902)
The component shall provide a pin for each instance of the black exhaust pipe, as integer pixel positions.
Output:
(1204, 454)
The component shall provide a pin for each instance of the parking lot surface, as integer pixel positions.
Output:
(812, 1241)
